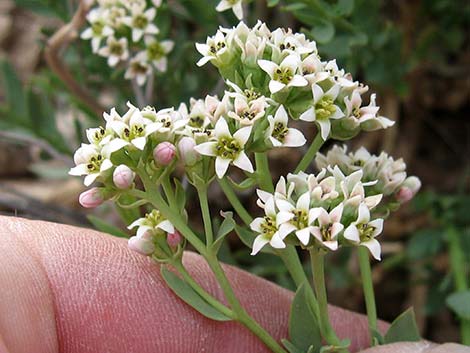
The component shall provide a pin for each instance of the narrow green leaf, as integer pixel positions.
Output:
(459, 303)
(403, 329)
(225, 228)
(105, 227)
(180, 194)
(272, 3)
(303, 326)
(191, 297)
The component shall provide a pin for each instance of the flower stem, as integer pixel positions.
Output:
(311, 152)
(317, 258)
(167, 188)
(263, 173)
(206, 216)
(368, 288)
(458, 268)
(234, 201)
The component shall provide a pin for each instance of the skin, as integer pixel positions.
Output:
(68, 289)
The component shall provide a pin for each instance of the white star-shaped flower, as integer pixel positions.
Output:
(235, 5)
(364, 231)
(227, 148)
(98, 28)
(152, 222)
(140, 22)
(115, 50)
(283, 75)
(323, 109)
(279, 134)
(91, 161)
(329, 226)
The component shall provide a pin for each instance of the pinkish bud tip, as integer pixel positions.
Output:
(141, 245)
(91, 198)
(174, 239)
(123, 177)
(164, 153)
(404, 194)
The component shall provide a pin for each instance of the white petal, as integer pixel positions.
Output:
(298, 81)
(258, 244)
(80, 169)
(378, 224)
(238, 10)
(285, 229)
(303, 203)
(139, 142)
(325, 127)
(270, 207)
(223, 5)
(351, 233)
(336, 213)
(294, 138)
(255, 225)
(336, 228)
(303, 235)
(283, 217)
(221, 128)
(364, 214)
(281, 115)
(267, 66)
(331, 244)
(166, 226)
(242, 135)
(374, 248)
(115, 145)
(275, 86)
(308, 115)
(89, 179)
(221, 166)
(206, 148)
(284, 205)
(277, 242)
(243, 162)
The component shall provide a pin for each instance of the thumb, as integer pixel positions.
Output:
(419, 347)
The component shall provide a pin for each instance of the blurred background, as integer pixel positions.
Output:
(415, 54)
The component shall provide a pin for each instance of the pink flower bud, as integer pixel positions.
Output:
(188, 154)
(404, 194)
(174, 239)
(164, 153)
(91, 198)
(123, 177)
(141, 245)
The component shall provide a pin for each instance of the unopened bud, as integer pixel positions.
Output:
(188, 154)
(164, 153)
(91, 198)
(174, 239)
(123, 177)
(141, 245)
(408, 189)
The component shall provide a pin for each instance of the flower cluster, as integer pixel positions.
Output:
(388, 174)
(325, 210)
(124, 32)
(286, 68)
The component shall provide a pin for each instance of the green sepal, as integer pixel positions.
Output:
(225, 228)
(248, 183)
(459, 303)
(304, 331)
(191, 297)
(403, 329)
(105, 227)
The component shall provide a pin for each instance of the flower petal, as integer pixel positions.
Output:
(258, 244)
(243, 162)
(221, 166)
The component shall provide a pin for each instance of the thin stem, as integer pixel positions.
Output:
(234, 201)
(263, 173)
(201, 291)
(368, 288)
(206, 216)
(311, 152)
(168, 189)
(458, 267)
(317, 258)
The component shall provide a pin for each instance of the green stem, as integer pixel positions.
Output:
(206, 215)
(264, 175)
(167, 188)
(310, 155)
(201, 291)
(368, 288)
(459, 272)
(317, 258)
(234, 201)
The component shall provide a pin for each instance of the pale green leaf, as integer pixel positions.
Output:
(459, 303)
(403, 329)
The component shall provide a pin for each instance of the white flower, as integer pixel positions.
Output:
(251, 43)
(281, 192)
(91, 161)
(323, 109)
(134, 5)
(214, 48)
(329, 226)
(138, 69)
(271, 231)
(279, 134)
(141, 22)
(115, 50)
(353, 189)
(286, 43)
(152, 223)
(283, 75)
(377, 122)
(300, 216)
(133, 132)
(235, 5)
(157, 51)
(227, 148)
(364, 231)
(312, 69)
(248, 112)
(99, 136)
(98, 29)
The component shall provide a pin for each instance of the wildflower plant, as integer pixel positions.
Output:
(125, 33)
(274, 78)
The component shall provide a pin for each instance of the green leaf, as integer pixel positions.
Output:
(425, 243)
(105, 227)
(191, 297)
(14, 93)
(272, 3)
(180, 195)
(323, 30)
(303, 326)
(459, 303)
(128, 215)
(291, 348)
(377, 336)
(344, 7)
(403, 329)
(225, 228)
